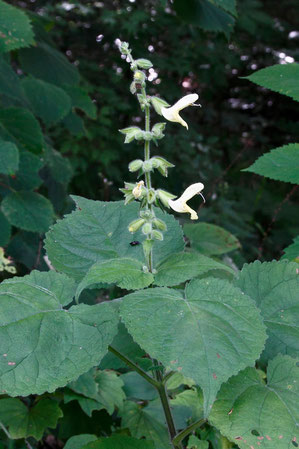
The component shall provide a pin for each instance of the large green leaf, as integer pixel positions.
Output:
(25, 247)
(23, 128)
(15, 28)
(42, 345)
(253, 414)
(5, 230)
(27, 177)
(275, 288)
(281, 164)
(210, 239)
(282, 78)
(126, 273)
(81, 100)
(291, 253)
(97, 390)
(98, 231)
(24, 422)
(28, 210)
(9, 158)
(9, 82)
(195, 443)
(46, 63)
(180, 267)
(48, 102)
(119, 442)
(206, 14)
(78, 441)
(58, 166)
(227, 5)
(143, 424)
(209, 332)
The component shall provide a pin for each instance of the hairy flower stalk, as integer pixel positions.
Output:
(143, 191)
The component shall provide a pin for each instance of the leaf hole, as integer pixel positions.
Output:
(295, 444)
(255, 432)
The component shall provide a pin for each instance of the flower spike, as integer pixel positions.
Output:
(172, 113)
(180, 205)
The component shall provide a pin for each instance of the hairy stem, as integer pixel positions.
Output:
(134, 366)
(184, 433)
(148, 182)
(159, 385)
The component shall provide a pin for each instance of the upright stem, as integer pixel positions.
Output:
(168, 415)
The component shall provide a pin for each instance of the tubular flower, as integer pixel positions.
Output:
(172, 113)
(137, 189)
(180, 205)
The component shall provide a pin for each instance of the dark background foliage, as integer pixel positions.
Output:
(237, 123)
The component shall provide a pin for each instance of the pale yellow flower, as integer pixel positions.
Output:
(172, 113)
(180, 205)
(137, 189)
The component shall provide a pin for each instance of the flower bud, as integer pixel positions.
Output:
(144, 63)
(151, 196)
(157, 235)
(139, 76)
(161, 164)
(147, 228)
(133, 89)
(135, 165)
(159, 224)
(158, 129)
(124, 48)
(131, 133)
(164, 197)
(158, 104)
(136, 224)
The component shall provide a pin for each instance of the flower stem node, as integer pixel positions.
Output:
(158, 103)
(179, 205)
(137, 191)
(165, 197)
(159, 224)
(136, 224)
(147, 166)
(135, 165)
(147, 228)
(147, 135)
(147, 214)
(144, 63)
(172, 113)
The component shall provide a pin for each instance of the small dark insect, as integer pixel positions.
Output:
(134, 243)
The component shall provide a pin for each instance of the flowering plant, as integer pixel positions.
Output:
(177, 340)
